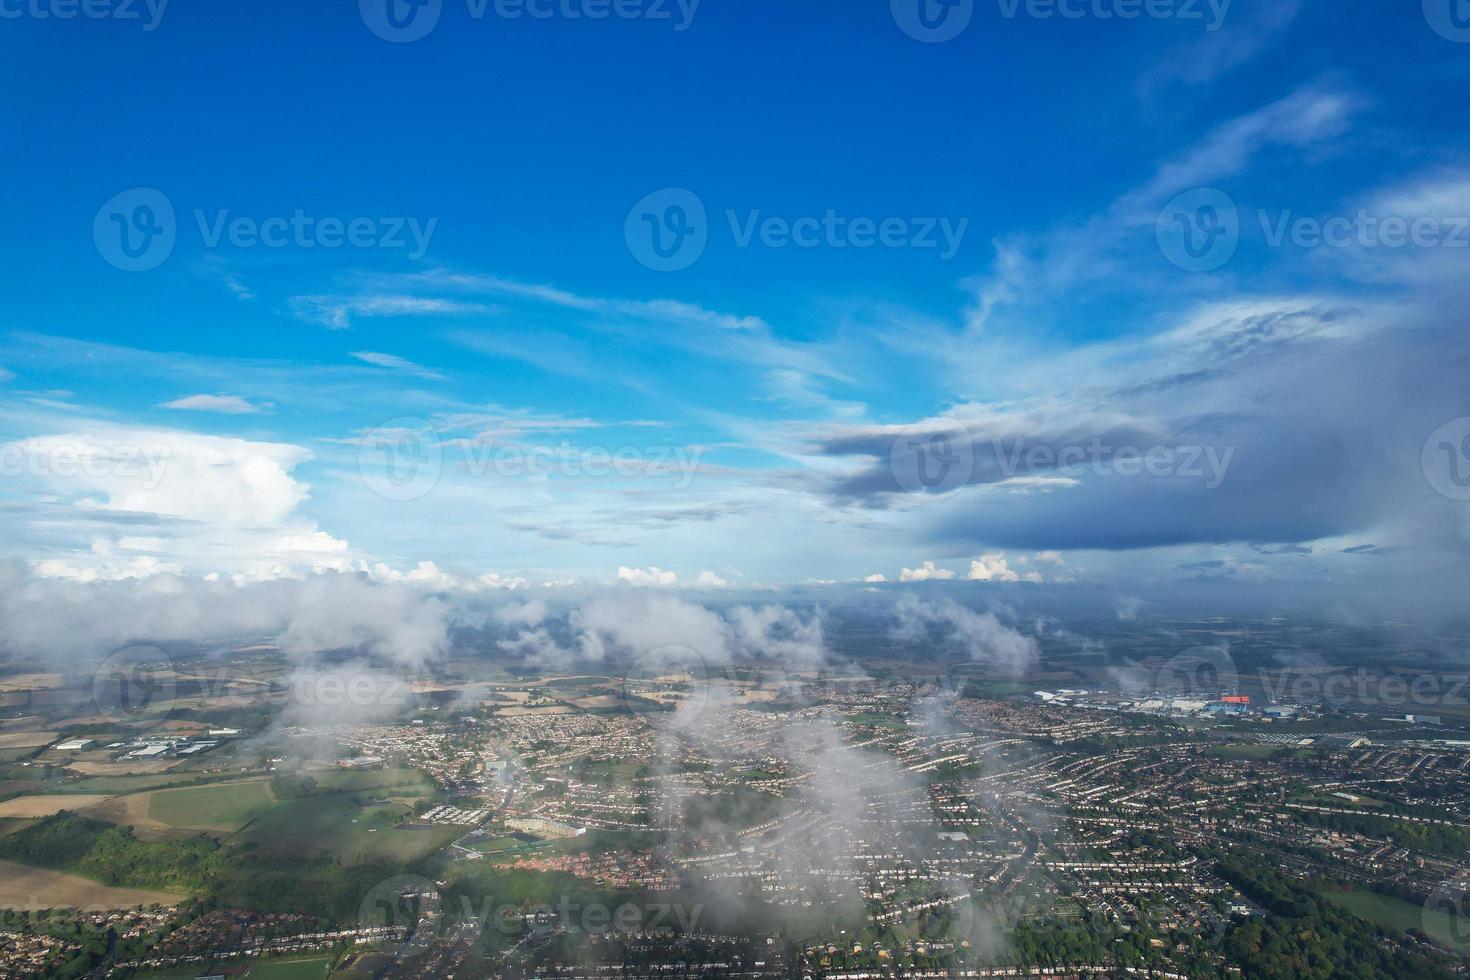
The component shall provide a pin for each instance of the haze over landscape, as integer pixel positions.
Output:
(928, 487)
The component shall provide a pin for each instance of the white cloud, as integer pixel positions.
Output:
(221, 404)
(983, 637)
(338, 312)
(217, 481)
(644, 577)
(396, 363)
(926, 572)
(878, 577)
(993, 568)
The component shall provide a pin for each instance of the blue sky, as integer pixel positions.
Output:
(1027, 295)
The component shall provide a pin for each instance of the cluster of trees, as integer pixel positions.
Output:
(221, 876)
(1448, 842)
(1306, 937)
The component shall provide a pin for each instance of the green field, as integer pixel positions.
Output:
(335, 823)
(1394, 913)
(222, 806)
(402, 782)
(1245, 751)
(305, 969)
(120, 785)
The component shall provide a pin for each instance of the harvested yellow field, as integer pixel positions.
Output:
(30, 682)
(26, 740)
(35, 807)
(23, 887)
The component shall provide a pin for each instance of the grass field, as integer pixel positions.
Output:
(1246, 751)
(306, 969)
(403, 782)
(24, 887)
(222, 807)
(1393, 913)
(118, 785)
(336, 824)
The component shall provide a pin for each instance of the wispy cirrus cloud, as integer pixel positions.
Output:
(395, 363)
(338, 312)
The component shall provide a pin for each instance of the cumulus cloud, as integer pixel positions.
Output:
(927, 572)
(651, 576)
(209, 479)
(66, 619)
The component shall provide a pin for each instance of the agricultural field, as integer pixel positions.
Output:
(1395, 913)
(26, 740)
(35, 807)
(353, 832)
(219, 807)
(402, 782)
(303, 969)
(25, 887)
